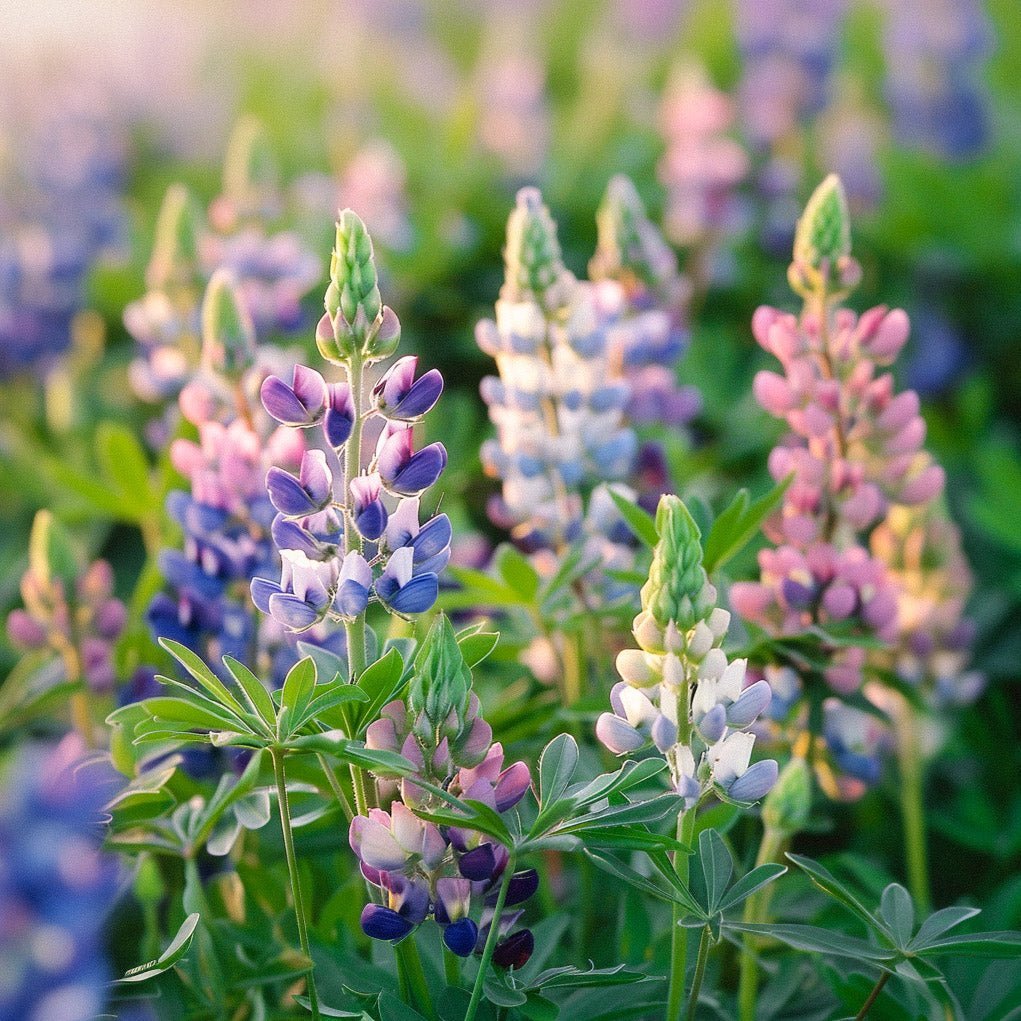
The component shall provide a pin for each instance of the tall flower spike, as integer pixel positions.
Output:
(228, 340)
(678, 690)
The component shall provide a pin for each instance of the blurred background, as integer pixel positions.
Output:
(426, 118)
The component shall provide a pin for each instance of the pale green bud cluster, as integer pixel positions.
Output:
(439, 694)
(822, 245)
(678, 591)
(534, 267)
(357, 323)
(251, 178)
(228, 337)
(174, 261)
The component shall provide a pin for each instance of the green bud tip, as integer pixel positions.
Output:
(228, 338)
(175, 247)
(51, 554)
(354, 282)
(824, 230)
(786, 807)
(677, 581)
(442, 679)
(249, 168)
(532, 258)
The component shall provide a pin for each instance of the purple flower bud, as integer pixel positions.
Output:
(755, 782)
(515, 950)
(514, 781)
(400, 397)
(618, 735)
(383, 923)
(479, 864)
(752, 702)
(713, 724)
(340, 414)
(298, 405)
(521, 887)
(24, 630)
(461, 936)
(404, 471)
(796, 595)
(369, 512)
(664, 733)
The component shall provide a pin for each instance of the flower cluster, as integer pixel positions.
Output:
(56, 887)
(424, 870)
(61, 211)
(702, 166)
(348, 528)
(71, 613)
(557, 409)
(933, 82)
(854, 449)
(225, 516)
(678, 689)
(921, 549)
(272, 271)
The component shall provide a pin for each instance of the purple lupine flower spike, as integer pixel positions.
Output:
(400, 397)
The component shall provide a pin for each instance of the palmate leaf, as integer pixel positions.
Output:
(557, 766)
(295, 695)
(717, 868)
(253, 690)
(204, 676)
(333, 743)
(829, 884)
(751, 883)
(678, 891)
(821, 941)
(1004, 944)
(899, 913)
(179, 946)
(940, 922)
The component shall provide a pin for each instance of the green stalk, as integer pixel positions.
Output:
(700, 963)
(756, 909)
(292, 871)
(451, 968)
(409, 965)
(678, 934)
(338, 791)
(487, 950)
(909, 757)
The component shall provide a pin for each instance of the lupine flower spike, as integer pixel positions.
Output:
(678, 691)
(424, 871)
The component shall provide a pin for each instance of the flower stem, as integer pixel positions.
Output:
(872, 997)
(487, 950)
(678, 934)
(292, 871)
(909, 756)
(338, 791)
(409, 964)
(700, 962)
(756, 909)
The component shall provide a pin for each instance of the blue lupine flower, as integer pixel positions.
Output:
(307, 494)
(400, 589)
(400, 397)
(370, 513)
(303, 594)
(403, 470)
(301, 403)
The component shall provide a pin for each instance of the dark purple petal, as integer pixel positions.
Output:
(287, 494)
(515, 950)
(416, 597)
(379, 922)
(290, 611)
(796, 595)
(522, 885)
(461, 936)
(479, 864)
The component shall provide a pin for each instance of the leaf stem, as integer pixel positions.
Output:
(338, 791)
(756, 909)
(292, 871)
(700, 963)
(872, 997)
(409, 964)
(909, 757)
(491, 938)
(678, 934)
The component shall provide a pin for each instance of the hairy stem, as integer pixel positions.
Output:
(700, 963)
(678, 934)
(494, 933)
(756, 909)
(292, 871)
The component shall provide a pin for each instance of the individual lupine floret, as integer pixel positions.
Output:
(356, 522)
(68, 611)
(678, 689)
(855, 447)
(422, 869)
(557, 410)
